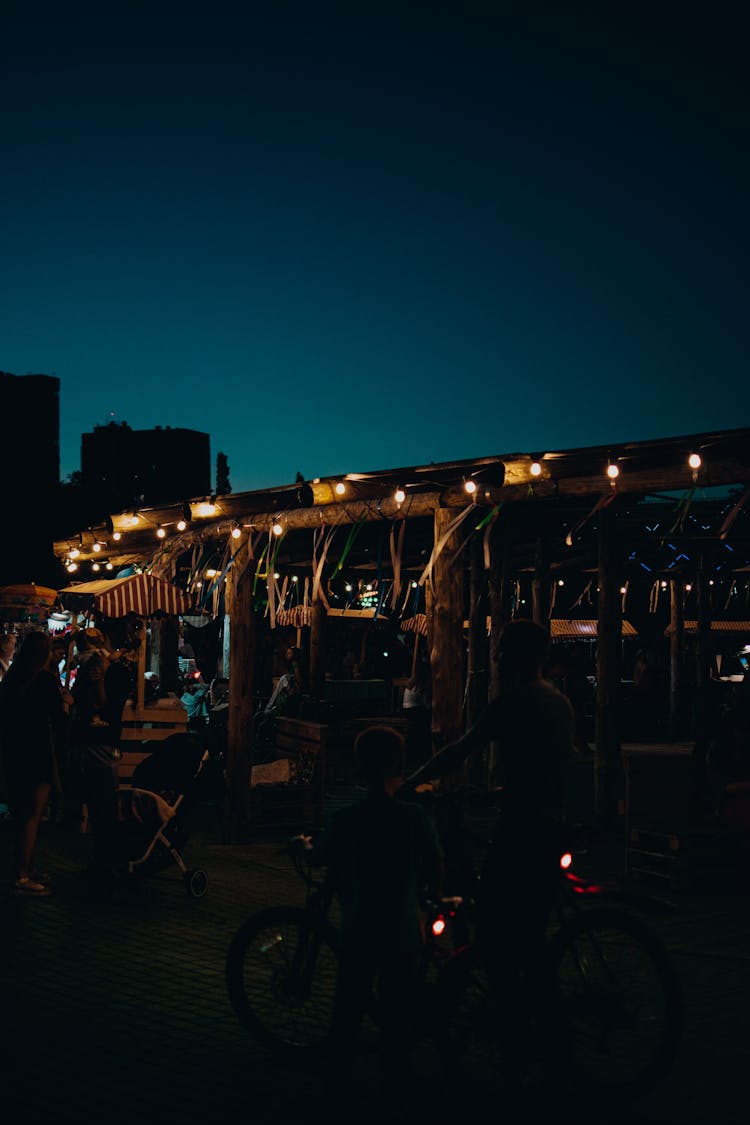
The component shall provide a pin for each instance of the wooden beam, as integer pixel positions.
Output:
(446, 653)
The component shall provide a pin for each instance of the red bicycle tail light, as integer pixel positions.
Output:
(438, 926)
(566, 860)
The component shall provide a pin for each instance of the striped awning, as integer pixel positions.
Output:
(138, 593)
(582, 629)
(416, 624)
(716, 627)
(297, 615)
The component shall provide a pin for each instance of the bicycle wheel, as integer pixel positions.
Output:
(281, 977)
(622, 1004)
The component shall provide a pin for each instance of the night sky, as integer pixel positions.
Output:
(368, 235)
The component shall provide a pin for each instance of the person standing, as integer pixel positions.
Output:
(32, 707)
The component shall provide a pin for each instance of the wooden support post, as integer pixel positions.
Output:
(703, 645)
(677, 656)
(500, 584)
(446, 610)
(540, 585)
(165, 633)
(477, 671)
(242, 657)
(607, 765)
(317, 650)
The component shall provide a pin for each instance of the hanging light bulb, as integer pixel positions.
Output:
(96, 566)
(400, 495)
(97, 547)
(108, 566)
(181, 525)
(277, 529)
(339, 488)
(695, 460)
(211, 572)
(236, 533)
(160, 532)
(613, 470)
(470, 486)
(117, 536)
(535, 469)
(295, 578)
(71, 567)
(133, 520)
(276, 575)
(414, 584)
(348, 587)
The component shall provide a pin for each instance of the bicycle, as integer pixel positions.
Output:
(621, 998)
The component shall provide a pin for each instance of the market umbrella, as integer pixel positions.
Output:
(26, 604)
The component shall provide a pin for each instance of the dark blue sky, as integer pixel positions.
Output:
(360, 236)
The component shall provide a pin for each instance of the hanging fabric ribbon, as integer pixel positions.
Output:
(624, 595)
(380, 582)
(437, 550)
(681, 511)
(585, 593)
(318, 564)
(353, 533)
(724, 529)
(602, 502)
(732, 592)
(653, 600)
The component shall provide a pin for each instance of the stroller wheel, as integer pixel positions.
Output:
(196, 882)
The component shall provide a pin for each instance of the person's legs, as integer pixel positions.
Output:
(398, 992)
(27, 806)
(353, 989)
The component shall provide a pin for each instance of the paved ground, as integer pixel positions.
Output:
(119, 1013)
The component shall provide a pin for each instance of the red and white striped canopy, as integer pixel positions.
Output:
(138, 593)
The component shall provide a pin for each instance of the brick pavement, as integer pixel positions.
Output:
(119, 1013)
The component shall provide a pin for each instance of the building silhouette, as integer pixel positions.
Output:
(122, 468)
(30, 468)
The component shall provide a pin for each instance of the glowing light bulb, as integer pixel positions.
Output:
(236, 533)
(160, 533)
(535, 469)
(72, 567)
(211, 573)
(97, 547)
(74, 553)
(399, 496)
(695, 461)
(109, 566)
(566, 860)
(295, 578)
(561, 582)
(414, 584)
(181, 525)
(96, 566)
(133, 520)
(339, 488)
(438, 926)
(117, 536)
(276, 575)
(470, 487)
(348, 587)
(688, 586)
(613, 471)
(277, 529)
(623, 589)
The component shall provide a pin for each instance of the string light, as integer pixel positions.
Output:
(117, 536)
(160, 532)
(72, 567)
(695, 460)
(211, 573)
(276, 575)
(108, 566)
(561, 582)
(535, 469)
(96, 566)
(236, 533)
(613, 471)
(470, 486)
(277, 529)
(181, 525)
(339, 488)
(97, 547)
(74, 553)
(133, 520)
(399, 495)
(295, 578)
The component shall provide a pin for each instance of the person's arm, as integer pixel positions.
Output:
(454, 754)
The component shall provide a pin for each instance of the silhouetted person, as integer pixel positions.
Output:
(533, 725)
(32, 707)
(382, 855)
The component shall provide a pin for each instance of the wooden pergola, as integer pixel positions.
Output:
(465, 532)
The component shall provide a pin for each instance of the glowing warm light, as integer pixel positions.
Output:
(236, 533)
(470, 486)
(695, 461)
(613, 471)
(623, 589)
(368, 586)
(109, 566)
(96, 566)
(181, 525)
(205, 508)
(438, 926)
(348, 587)
(536, 469)
(276, 575)
(566, 860)
(414, 584)
(160, 533)
(277, 529)
(399, 496)
(211, 573)
(133, 520)
(117, 536)
(663, 585)
(688, 587)
(295, 578)
(97, 547)
(561, 582)
(74, 553)
(340, 488)
(71, 567)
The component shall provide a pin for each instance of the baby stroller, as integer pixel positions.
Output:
(150, 830)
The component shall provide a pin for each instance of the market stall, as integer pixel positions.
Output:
(142, 595)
